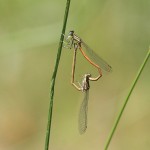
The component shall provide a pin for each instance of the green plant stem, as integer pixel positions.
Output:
(47, 139)
(126, 100)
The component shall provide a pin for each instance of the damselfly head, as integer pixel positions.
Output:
(71, 33)
(87, 76)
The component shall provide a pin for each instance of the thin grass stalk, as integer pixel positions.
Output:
(126, 100)
(52, 87)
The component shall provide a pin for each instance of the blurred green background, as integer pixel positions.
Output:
(119, 31)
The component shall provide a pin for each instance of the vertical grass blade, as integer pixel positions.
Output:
(126, 100)
(47, 139)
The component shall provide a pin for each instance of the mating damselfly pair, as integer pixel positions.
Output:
(75, 42)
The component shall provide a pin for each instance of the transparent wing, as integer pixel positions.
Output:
(83, 113)
(96, 59)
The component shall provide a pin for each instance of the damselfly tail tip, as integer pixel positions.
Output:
(110, 69)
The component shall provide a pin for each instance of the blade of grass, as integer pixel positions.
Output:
(47, 139)
(126, 100)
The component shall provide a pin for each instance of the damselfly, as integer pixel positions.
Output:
(82, 122)
(74, 41)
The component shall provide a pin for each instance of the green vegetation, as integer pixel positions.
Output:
(118, 31)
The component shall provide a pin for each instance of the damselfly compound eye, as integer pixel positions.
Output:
(71, 33)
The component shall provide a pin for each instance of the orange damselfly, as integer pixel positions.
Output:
(74, 41)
